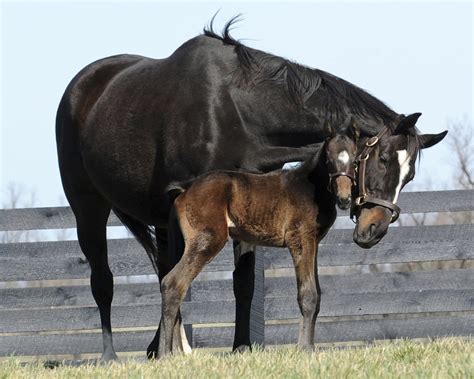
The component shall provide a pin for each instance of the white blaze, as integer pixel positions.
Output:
(343, 157)
(404, 162)
(291, 165)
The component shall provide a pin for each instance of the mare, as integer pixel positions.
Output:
(297, 215)
(127, 126)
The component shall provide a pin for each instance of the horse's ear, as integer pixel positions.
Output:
(407, 123)
(319, 154)
(428, 140)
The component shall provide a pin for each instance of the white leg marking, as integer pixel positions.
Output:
(230, 224)
(343, 157)
(404, 162)
(184, 341)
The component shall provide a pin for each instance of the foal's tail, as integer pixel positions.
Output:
(174, 189)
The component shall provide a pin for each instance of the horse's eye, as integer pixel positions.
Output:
(384, 158)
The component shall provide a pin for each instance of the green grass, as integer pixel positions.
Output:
(444, 358)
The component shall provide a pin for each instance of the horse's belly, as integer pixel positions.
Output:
(257, 237)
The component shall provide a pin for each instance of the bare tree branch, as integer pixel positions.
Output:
(460, 139)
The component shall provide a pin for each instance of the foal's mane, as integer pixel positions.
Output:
(334, 96)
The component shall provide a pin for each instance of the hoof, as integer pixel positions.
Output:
(108, 357)
(242, 349)
(307, 348)
(152, 354)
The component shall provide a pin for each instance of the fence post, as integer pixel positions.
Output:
(257, 310)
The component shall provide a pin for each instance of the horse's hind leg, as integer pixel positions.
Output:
(244, 283)
(91, 232)
(92, 211)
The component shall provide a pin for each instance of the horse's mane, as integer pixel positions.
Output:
(335, 95)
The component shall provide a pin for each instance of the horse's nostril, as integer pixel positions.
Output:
(372, 229)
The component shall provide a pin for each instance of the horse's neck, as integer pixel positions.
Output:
(314, 172)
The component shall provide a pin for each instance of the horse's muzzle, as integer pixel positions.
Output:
(372, 225)
(344, 203)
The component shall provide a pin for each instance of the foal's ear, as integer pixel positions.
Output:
(407, 123)
(428, 140)
(320, 153)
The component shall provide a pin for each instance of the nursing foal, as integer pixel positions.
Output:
(284, 208)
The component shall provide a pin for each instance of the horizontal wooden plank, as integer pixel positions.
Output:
(64, 260)
(217, 290)
(332, 305)
(326, 331)
(332, 285)
(433, 201)
(376, 303)
(404, 244)
(124, 294)
(42, 218)
(349, 330)
(35, 320)
(62, 217)
(369, 330)
(437, 201)
(57, 344)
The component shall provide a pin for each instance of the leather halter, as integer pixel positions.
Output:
(341, 173)
(363, 197)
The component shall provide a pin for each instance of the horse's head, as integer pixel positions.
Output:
(385, 165)
(340, 154)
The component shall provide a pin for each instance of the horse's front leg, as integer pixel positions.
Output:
(304, 253)
(244, 283)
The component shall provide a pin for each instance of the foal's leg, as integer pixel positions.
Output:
(200, 249)
(170, 249)
(304, 253)
(244, 283)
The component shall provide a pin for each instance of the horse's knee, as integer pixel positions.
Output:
(308, 300)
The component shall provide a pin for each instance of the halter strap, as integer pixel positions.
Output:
(363, 196)
(342, 173)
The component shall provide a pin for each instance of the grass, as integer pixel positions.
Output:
(443, 358)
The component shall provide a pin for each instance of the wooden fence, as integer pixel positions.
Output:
(46, 306)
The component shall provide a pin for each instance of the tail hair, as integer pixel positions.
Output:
(173, 190)
(145, 235)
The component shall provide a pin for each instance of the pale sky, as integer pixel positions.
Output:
(414, 56)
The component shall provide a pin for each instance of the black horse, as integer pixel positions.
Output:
(128, 125)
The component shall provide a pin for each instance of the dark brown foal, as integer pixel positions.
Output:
(292, 208)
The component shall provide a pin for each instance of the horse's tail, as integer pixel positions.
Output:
(145, 235)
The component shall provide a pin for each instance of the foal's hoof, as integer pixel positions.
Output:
(108, 357)
(242, 349)
(307, 348)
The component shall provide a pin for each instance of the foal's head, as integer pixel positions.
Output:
(340, 154)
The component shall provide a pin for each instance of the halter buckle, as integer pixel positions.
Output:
(372, 141)
(360, 200)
